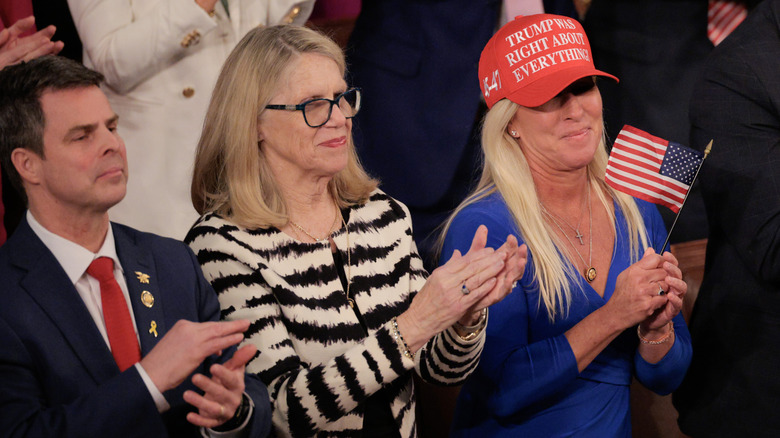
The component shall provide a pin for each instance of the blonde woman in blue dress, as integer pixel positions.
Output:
(596, 306)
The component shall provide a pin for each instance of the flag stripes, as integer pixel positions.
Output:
(635, 167)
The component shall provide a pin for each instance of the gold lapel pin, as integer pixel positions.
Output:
(153, 328)
(147, 298)
(143, 278)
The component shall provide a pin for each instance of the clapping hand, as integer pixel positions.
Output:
(222, 392)
(462, 287)
(14, 49)
(186, 346)
(516, 258)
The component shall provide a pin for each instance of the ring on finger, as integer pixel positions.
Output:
(221, 411)
(661, 290)
(464, 289)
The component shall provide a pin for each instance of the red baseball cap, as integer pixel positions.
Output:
(533, 58)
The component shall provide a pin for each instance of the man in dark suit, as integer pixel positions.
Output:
(731, 388)
(658, 49)
(106, 331)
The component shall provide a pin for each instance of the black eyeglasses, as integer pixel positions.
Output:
(316, 112)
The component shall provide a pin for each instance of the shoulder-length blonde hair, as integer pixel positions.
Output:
(506, 170)
(231, 175)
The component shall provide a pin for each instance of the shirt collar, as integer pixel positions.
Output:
(74, 258)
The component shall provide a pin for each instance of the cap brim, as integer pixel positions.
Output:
(542, 90)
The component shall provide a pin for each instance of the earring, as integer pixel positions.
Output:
(513, 133)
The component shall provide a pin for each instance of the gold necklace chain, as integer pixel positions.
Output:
(348, 250)
(349, 264)
(590, 271)
(319, 239)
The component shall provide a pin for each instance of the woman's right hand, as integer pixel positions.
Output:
(636, 291)
(442, 300)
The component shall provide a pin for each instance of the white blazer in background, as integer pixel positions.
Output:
(161, 60)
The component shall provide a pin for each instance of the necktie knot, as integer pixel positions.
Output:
(102, 268)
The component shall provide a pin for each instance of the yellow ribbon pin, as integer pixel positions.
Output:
(153, 329)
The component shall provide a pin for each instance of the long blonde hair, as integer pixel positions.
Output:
(231, 175)
(505, 169)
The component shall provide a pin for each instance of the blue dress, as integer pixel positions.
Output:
(527, 383)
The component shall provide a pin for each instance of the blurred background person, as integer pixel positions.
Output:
(731, 387)
(658, 48)
(418, 130)
(297, 238)
(416, 62)
(597, 304)
(161, 60)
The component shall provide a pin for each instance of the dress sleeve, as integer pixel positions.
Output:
(518, 372)
(129, 48)
(304, 398)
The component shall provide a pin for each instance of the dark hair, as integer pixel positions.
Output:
(21, 117)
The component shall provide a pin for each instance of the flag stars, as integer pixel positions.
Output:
(680, 163)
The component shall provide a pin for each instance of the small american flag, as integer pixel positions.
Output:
(651, 168)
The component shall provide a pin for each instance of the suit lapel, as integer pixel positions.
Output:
(47, 283)
(144, 288)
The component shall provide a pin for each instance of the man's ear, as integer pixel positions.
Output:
(28, 164)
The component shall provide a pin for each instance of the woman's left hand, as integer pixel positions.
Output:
(675, 289)
(516, 258)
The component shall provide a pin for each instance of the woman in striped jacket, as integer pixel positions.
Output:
(297, 238)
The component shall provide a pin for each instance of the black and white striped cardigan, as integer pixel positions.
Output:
(315, 357)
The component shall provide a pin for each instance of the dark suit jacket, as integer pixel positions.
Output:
(57, 375)
(657, 48)
(733, 385)
(416, 61)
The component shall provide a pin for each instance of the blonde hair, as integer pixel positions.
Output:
(231, 175)
(506, 170)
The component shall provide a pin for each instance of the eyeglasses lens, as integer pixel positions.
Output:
(318, 111)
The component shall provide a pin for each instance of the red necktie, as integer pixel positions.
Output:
(723, 16)
(119, 326)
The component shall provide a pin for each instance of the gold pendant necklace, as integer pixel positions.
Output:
(590, 271)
